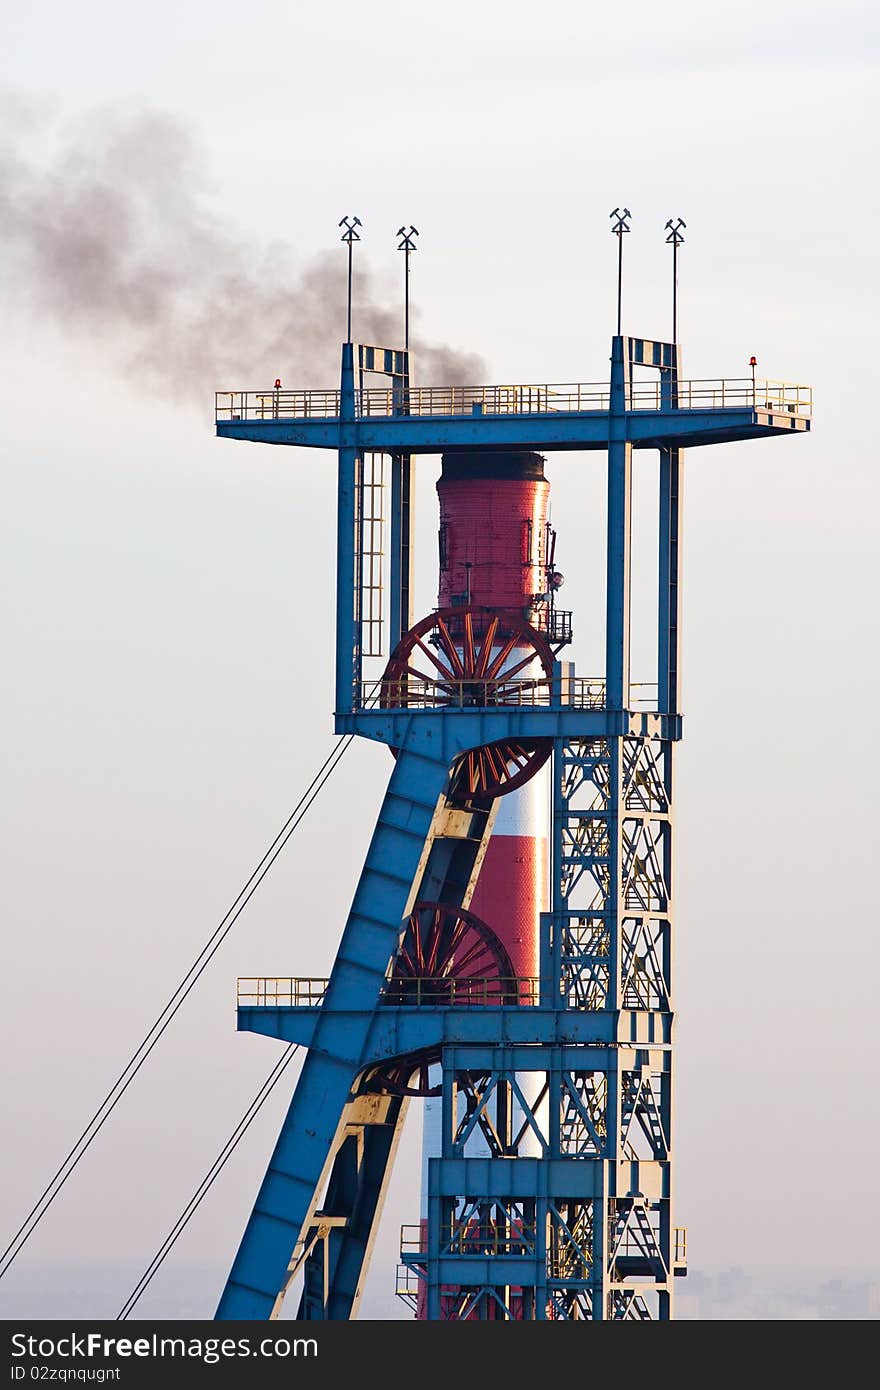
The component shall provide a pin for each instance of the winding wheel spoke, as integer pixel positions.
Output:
(470, 650)
(447, 956)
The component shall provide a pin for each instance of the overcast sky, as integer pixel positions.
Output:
(172, 180)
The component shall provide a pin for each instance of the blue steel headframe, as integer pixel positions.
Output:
(564, 1210)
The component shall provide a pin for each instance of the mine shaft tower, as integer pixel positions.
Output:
(551, 1194)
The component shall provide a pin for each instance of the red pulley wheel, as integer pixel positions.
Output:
(475, 657)
(447, 956)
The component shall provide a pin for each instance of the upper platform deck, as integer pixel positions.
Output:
(431, 419)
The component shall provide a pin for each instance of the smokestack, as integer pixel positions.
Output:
(493, 523)
(494, 511)
(493, 551)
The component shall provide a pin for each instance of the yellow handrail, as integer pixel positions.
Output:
(517, 399)
(576, 692)
(306, 991)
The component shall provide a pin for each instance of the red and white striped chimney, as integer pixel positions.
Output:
(493, 552)
(493, 526)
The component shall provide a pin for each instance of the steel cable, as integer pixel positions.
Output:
(207, 1183)
(151, 1038)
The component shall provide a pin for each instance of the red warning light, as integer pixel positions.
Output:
(278, 383)
(753, 362)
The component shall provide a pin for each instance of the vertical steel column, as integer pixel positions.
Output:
(401, 577)
(615, 907)
(551, 929)
(669, 587)
(617, 659)
(669, 700)
(617, 592)
(348, 549)
(669, 590)
(400, 618)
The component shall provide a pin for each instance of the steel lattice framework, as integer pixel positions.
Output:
(552, 1195)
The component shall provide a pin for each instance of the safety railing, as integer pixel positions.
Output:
(485, 400)
(276, 405)
(482, 1238)
(681, 1245)
(291, 991)
(780, 397)
(413, 693)
(719, 393)
(725, 393)
(576, 692)
(554, 623)
(472, 1238)
(408, 1285)
(483, 992)
(413, 1240)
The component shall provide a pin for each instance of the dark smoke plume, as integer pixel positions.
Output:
(107, 230)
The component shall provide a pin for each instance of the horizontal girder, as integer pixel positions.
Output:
(451, 732)
(582, 430)
(397, 1032)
